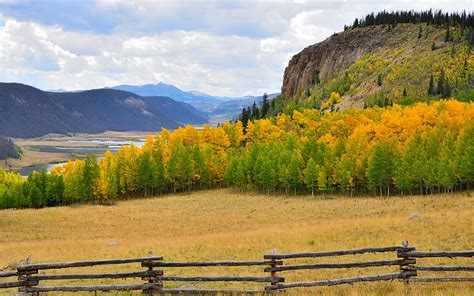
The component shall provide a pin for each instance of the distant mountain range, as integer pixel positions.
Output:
(219, 108)
(26, 111)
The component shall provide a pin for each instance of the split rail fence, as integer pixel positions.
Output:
(152, 274)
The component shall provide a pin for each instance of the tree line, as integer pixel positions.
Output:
(438, 17)
(419, 149)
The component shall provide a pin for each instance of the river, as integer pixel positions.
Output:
(102, 145)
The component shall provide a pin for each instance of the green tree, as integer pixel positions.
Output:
(380, 168)
(54, 190)
(294, 174)
(90, 177)
(310, 175)
(146, 173)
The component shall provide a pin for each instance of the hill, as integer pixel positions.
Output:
(8, 149)
(382, 64)
(26, 111)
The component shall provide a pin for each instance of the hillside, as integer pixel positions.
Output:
(26, 111)
(379, 65)
(8, 149)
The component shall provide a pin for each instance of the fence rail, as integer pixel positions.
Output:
(152, 276)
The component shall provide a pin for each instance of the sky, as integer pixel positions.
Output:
(225, 48)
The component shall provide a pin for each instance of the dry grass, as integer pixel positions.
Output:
(222, 224)
(31, 157)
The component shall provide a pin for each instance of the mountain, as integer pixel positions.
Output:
(218, 108)
(382, 64)
(26, 111)
(198, 100)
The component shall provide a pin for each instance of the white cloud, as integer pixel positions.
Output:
(222, 48)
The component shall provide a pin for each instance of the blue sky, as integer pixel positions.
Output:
(227, 48)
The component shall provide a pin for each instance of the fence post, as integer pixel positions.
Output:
(151, 278)
(406, 268)
(273, 273)
(24, 278)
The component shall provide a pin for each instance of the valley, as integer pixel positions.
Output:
(54, 150)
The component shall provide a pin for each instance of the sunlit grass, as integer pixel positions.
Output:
(225, 225)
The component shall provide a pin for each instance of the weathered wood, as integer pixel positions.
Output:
(208, 263)
(121, 275)
(444, 268)
(350, 280)
(442, 279)
(123, 287)
(16, 273)
(11, 285)
(425, 254)
(212, 291)
(342, 265)
(39, 266)
(9, 273)
(338, 253)
(258, 279)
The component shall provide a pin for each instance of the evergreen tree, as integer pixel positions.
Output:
(265, 106)
(447, 37)
(431, 90)
(379, 80)
(440, 88)
(255, 114)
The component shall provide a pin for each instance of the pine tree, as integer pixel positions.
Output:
(446, 89)
(431, 90)
(405, 92)
(265, 106)
(379, 80)
(440, 88)
(447, 37)
(255, 114)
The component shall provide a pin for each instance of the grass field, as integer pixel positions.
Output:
(224, 225)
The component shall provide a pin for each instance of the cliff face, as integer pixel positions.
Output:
(335, 53)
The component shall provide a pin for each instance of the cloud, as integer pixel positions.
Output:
(219, 47)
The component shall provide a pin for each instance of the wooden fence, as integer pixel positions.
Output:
(152, 276)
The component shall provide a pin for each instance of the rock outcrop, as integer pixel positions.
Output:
(335, 53)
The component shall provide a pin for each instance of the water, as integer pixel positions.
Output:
(103, 144)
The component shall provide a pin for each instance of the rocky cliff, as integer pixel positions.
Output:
(333, 54)
(378, 64)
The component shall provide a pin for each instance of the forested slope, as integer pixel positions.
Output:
(421, 149)
(384, 58)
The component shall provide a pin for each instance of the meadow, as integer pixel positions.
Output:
(223, 224)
